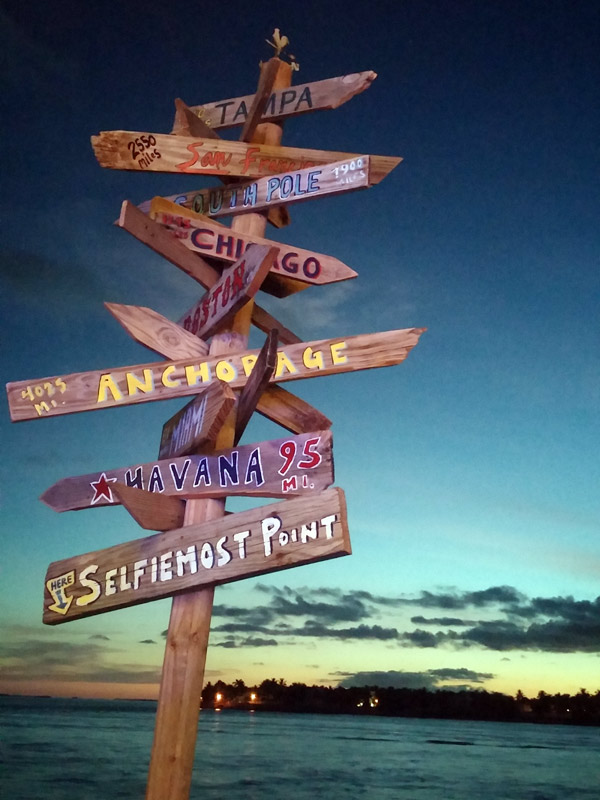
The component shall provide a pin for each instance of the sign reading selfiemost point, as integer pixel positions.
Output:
(143, 383)
(243, 545)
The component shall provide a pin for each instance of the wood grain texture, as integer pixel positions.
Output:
(288, 187)
(205, 156)
(317, 96)
(143, 383)
(256, 384)
(157, 332)
(197, 423)
(151, 511)
(187, 123)
(266, 539)
(237, 285)
(209, 238)
(248, 470)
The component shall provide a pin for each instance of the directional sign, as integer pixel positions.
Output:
(143, 383)
(209, 238)
(198, 422)
(290, 187)
(236, 286)
(320, 95)
(156, 332)
(278, 468)
(158, 152)
(266, 539)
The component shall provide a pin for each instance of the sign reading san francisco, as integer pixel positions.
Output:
(243, 545)
(158, 152)
(277, 468)
(144, 383)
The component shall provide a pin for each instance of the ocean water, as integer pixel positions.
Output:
(55, 749)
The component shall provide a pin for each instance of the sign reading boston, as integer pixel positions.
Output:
(273, 537)
(143, 383)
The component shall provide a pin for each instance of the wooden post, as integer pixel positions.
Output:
(172, 758)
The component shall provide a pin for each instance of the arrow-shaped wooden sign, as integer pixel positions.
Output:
(143, 383)
(278, 468)
(290, 187)
(198, 422)
(273, 537)
(319, 95)
(158, 152)
(209, 238)
(238, 284)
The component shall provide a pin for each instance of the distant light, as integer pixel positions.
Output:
(252, 697)
(218, 697)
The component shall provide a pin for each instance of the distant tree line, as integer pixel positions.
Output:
(582, 708)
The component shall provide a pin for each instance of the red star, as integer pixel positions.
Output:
(102, 489)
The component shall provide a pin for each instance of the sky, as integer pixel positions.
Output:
(470, 470)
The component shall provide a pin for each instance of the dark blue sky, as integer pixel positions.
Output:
(473, 465)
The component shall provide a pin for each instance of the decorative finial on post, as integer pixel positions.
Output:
(279, 43)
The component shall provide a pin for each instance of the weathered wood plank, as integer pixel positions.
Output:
(201, 156)
(88, 391)
(157, 332)
(263, 469)
(189, 124)
(250, 543)
(238, 284)
(259, 102)
(209, 238)
(316, 96)
(151, 511)
(198, 422)
(256, 384)
(289, 187)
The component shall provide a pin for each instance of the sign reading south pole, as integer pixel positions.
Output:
(278, 468)
(266, 539)
(288, 187)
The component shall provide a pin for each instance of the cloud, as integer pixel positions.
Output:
(147, 641)
(37, 659)
(429, 679)
(445, 621)
(99, 636)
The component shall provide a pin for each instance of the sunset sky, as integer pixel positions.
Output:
(471, 471)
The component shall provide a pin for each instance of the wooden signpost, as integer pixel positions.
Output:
(290, 187)
(157, 152)
(209, 238)
(200, 462)
(295, 465)
(243, 545)
(144, 383)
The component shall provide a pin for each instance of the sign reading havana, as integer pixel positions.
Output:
(143, 383)
(278, 468)
(243, 545)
